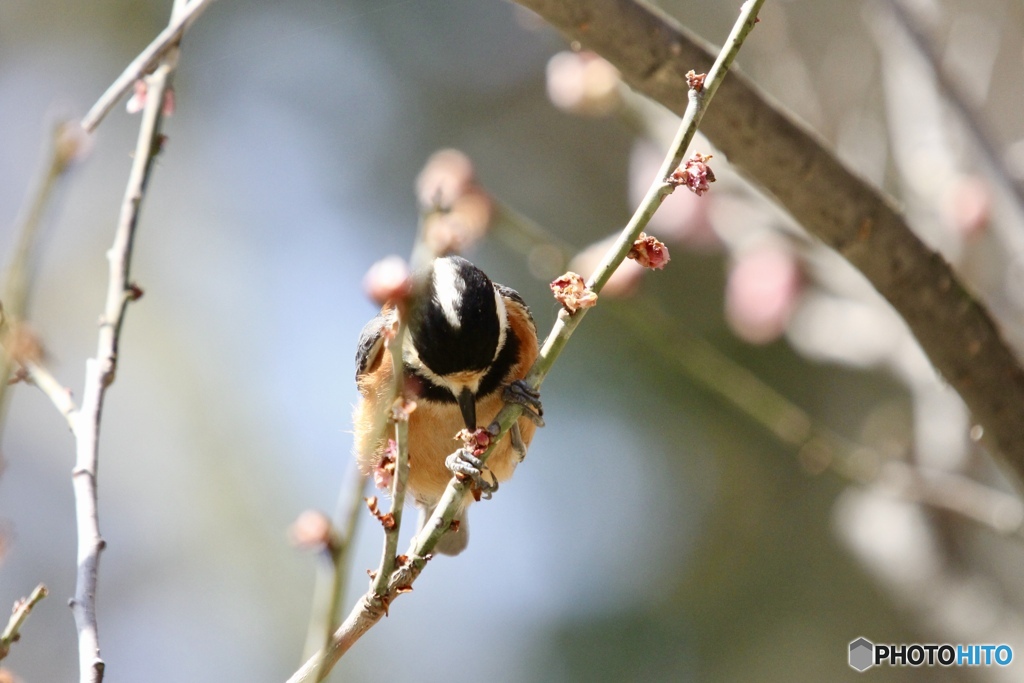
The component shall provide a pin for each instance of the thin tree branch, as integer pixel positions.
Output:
(401, 475)
(22, 608)
(65, 146)
(101, 370)
(374, 604)
(330, 590)
(182, 17)
(58, 394)
(956, 332)
(998, 510)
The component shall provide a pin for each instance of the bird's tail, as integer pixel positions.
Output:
(454, 541)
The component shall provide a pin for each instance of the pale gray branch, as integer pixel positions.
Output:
(183, 15)
(58, 394)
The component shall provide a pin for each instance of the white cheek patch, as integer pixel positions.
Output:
(448, 291)
(499, 304)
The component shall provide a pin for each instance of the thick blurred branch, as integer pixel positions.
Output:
(653, 53)
(955, 94)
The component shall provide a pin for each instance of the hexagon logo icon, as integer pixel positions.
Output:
(862, 654)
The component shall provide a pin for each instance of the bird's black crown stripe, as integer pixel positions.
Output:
(446, 348)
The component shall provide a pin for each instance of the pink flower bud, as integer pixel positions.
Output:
(387, 280)
(762, 292)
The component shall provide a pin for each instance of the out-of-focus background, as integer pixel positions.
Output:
(676, 519)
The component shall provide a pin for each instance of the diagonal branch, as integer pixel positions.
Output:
(400, 418)
(653, 53)
(99, 375)
(22, 608)
(65, 147)
(185, 12)
(374, 604)
(58, 394)
(331, 582)
(101, 370)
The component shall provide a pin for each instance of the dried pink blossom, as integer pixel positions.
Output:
(477, 441)
(386, 520)
(683, 217)
(572, 292)
(694, 174)
(695, 80)
(649, 252)
(384, 472)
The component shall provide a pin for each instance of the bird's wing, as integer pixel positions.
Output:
(513, 299)
(371, 341)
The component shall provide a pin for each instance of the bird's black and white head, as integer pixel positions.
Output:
(458, 326)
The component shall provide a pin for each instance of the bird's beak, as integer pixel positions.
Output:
(467, 404)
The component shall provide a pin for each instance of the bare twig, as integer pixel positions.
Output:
(1002, 512)
(330, 590)
(58, 394)
(64, 149)
(401, 424)
(963, 342)
(372, 606)
(101, 370)
(22, 608)
(184, 14)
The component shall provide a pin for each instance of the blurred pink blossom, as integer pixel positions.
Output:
(969, 207)
(446, 176)
(762, 292)
(583, 83)
(387, 280)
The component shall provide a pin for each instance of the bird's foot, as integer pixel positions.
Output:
(521, 393)
(518, 445)
(466, 466)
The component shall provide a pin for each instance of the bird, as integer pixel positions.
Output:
(469, 345)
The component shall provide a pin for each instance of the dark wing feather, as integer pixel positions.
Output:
(371, 342)
(511, 295)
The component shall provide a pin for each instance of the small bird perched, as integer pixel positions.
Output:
(469, 344)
